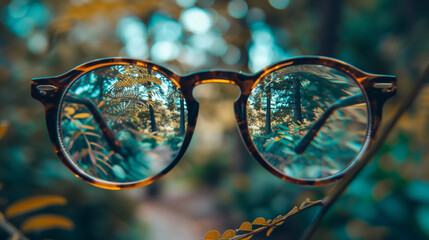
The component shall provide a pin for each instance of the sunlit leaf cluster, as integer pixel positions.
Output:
(248, 229)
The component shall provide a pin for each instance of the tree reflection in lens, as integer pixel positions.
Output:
(308, 121)
(123, 123)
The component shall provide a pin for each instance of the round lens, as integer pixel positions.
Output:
(309, 122)
(122, 123)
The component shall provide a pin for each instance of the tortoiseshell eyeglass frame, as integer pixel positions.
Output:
(50, 91)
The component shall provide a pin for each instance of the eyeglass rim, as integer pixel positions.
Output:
(52, 100)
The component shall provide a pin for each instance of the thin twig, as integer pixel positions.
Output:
(339, 189)
(11, 229)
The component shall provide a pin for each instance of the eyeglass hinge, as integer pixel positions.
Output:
(44, 89)
(385, 84)
(388, 85)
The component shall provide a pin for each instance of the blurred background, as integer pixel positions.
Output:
(217, 185)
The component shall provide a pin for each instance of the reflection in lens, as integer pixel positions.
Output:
(122, 123)
(308, 121)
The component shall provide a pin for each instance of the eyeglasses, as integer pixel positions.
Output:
(119, 123)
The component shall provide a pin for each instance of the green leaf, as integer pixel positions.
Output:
(283, 127)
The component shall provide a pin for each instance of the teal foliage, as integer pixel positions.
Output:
(388, 200)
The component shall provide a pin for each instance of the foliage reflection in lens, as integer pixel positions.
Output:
(309, 122)
(122, 123)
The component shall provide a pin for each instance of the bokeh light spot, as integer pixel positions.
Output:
(193, 58)
(262, 36)
(164, 28)
(163, 51)
(223, 24)
(232, 55)
(132, 33)
(186, 3)
(237, 8)
(255, 15)
(131, 27)
(37, 43)
(260, 56)
(279, 4)
(23, 17)
(218, 47)
(196, 20)
(18, 8)
(201, 41)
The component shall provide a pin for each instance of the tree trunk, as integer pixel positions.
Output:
(330, 16)
(101, 85)
(152, 115)
(268, 112)
(296, 94)
(182, 117)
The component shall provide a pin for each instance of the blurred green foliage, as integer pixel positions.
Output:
(389, 199)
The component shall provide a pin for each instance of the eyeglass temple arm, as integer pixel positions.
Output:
(305, 141)
(106, 131)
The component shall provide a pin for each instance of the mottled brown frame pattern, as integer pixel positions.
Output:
(50, 92)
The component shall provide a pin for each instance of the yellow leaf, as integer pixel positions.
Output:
(308, 202)
(259, 221)
(69, 110)
(88, 127)
(304, 203)
(3, 127)
(269, 231)
(278, 221)
(96, 145)
(228, 234)
(151, 103)
(81, 115)
(276, 139)
(92, 134)
(100, 104)
(34, 203)
(43, 222)
(212, 235)
(246, 226)
(154, 80)
(294, 210)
